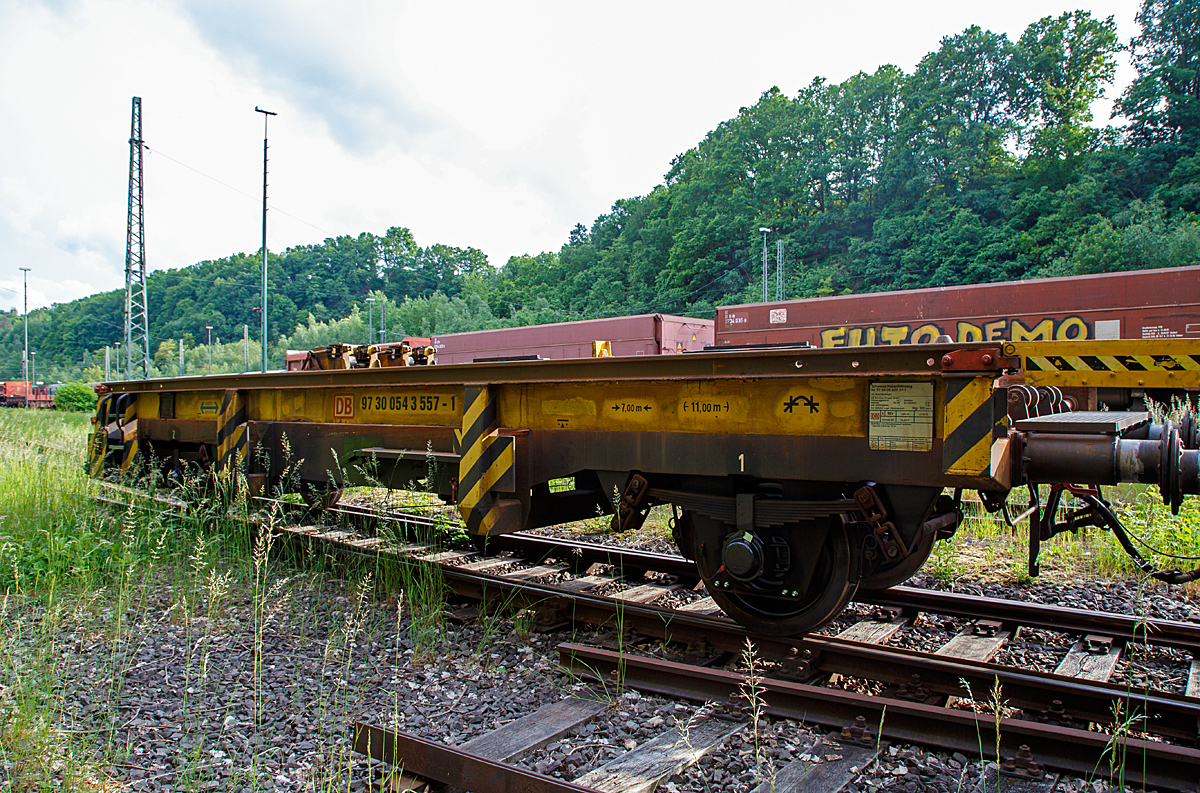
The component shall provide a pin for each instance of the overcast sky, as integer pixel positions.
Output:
(495, 125)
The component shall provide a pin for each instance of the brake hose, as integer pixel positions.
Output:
(1114, 523)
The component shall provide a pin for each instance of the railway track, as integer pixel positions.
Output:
(918, 696)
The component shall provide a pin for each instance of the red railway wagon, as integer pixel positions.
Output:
(42, 396)
(14, 393)
(643, 334)
(1138, 304)
(19, 394)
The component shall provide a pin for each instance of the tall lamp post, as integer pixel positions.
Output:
(765, 231)
(209, 329)
(266, 117)
(370, 318)
(25, 359)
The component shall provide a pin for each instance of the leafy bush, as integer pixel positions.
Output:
(76, 397)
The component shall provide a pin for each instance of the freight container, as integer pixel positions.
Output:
(14, 392)
(1137, 304)
(644, 334)
(19, 394)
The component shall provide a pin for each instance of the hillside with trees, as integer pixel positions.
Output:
(983, 164)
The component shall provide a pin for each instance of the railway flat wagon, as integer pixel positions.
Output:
(643, 334)
(1138, 304)
(795, 476)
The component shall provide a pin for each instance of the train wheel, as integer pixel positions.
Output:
(765, 609)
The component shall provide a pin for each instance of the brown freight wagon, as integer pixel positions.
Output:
(1139, 304)
(643, 334)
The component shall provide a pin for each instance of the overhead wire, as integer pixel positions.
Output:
(241, 192)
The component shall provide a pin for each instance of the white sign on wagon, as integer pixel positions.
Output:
(901, 417)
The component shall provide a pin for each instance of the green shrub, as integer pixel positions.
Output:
(76, 397)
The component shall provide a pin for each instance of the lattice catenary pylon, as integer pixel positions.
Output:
(137, 314)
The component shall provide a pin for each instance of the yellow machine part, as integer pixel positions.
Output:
(1113, 363)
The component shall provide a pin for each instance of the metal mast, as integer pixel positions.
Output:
(263, 319)
(137, 314)
(25, 354)
(765, 231)
(779, 269)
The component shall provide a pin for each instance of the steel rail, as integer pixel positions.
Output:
(1169, 633)
(1168, 715)
(451, 766)
(1159, 765)
(811, 656)
(1155, 631)
(918, 360)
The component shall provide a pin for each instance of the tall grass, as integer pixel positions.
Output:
(73, 571)
(986, 542)
(46, 535)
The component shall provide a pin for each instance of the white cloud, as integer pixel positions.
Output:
(474, 123)
(19, 205)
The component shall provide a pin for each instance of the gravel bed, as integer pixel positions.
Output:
(630, 720)
(191, 697)
(679, 598)
(927, 634)
(1035, 649)
(178, 701)
(1118, 596)
(1161, 668)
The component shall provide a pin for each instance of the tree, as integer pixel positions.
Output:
(1163, 101)
(1063, 63)
(960, 108)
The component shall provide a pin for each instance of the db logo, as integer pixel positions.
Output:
(778, 315)
(343, 406)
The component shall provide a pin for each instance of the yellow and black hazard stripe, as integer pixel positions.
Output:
(231, 432)
(98, 442)
(1112, 363)
(127, 424)
(969, 422)
(1129, 363)
(485, 463)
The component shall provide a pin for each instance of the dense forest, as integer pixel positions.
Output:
(983, 164)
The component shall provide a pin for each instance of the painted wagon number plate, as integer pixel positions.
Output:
(407, 402)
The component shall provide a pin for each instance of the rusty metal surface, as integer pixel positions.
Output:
(1169, 633)
(903, 360)
(436, 761)
(643, 334)
(813, 458)
(1087, 700)
(534, 548)
(1163, 766)
(1147, 303)
(1173, 716)
(319, 448)
(181, 430)
(977, 361)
